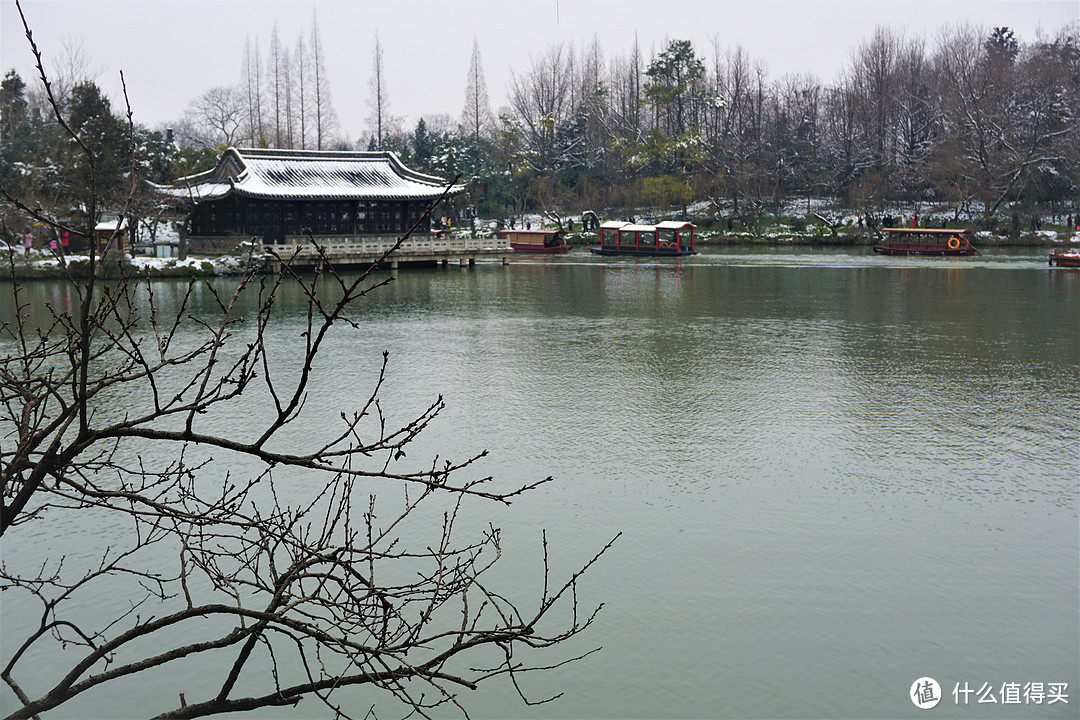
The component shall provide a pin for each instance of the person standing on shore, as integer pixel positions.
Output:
(28, 242)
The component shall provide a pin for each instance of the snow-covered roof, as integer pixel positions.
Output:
(110, 225)
(674, 225)
(311, 175)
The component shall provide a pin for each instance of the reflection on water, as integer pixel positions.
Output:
(835, 473)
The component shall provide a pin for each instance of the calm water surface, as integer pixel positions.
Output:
(834, 473)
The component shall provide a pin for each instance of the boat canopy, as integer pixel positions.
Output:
(670, 237)
(925, 231)
(541, 238)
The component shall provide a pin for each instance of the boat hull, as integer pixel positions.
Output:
(1065, 259)
(541, 249)
(928, 249)
(642, 252)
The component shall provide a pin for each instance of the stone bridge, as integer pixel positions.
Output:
(426, 248)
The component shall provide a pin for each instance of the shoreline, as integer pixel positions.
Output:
(43, 266)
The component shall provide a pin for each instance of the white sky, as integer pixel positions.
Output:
(173, 50)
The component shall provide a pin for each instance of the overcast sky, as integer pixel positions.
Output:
(173, 50)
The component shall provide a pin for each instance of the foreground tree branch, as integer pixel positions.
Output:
(290, 565)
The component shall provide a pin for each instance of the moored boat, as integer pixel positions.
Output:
(536, 241)
(668, 238)
(926, 241)
(1065, 258)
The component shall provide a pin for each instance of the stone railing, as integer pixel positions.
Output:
(425, 244)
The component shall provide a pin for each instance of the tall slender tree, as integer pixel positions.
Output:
(626, 96)
(377, 101)
(303, 89)
(276, 69)
(476, 117)
(325, 117)
(289, 93)
(253, 88)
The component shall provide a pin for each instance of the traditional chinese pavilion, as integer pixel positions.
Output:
(273, 195)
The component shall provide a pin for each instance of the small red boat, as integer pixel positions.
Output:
(926, 241)
(536, 241)
(1065, 258)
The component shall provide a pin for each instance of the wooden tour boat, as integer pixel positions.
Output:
(926, 241)
(536, 241)
(669, 238)
(1065, 258)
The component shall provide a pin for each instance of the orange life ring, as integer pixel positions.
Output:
(954, 243)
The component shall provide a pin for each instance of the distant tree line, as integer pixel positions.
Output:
(977, 122)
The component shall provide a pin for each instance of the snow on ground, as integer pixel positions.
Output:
(222, 265)
(144, 262)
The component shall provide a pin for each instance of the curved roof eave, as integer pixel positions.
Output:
(313, 175)
(434, 195)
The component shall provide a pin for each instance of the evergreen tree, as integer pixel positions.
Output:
(1002, 44)
(423, 147)
(12, 104)
(16, 133)
(91, 117)
(673, 75)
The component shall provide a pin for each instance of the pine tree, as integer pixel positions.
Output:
(12, 104)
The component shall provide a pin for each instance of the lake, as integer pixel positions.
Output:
(834, 473)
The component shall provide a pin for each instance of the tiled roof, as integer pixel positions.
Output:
(314, 175)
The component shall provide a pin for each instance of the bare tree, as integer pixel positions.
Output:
(303, 90)
(627, 97)
(218, 114)
(290, 92)
(326, 122)
(276, 61)
(377, 101)
(540, 100)
(288, 593)
(476, 118)
(73, 66)
(1000, 130)
(253, 93)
